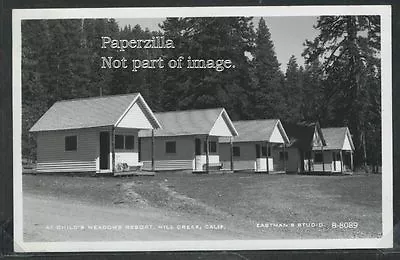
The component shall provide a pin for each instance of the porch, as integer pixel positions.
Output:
(328, 161)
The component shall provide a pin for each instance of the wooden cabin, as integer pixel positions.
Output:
(98, 134)
(339, 149)
(252, 150)
(304, 153)
(188, 140)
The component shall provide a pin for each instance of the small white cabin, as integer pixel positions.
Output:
(98, 134)
(188, 140)
(303, 152)
(253, 149)
(339, 149)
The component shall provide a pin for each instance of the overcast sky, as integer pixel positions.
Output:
(287, 33)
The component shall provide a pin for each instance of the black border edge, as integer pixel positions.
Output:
(6, 145)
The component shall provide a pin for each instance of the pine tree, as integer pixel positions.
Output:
(266, 92)
(209, 38)
(313, 105)
(93, 29)
(35, 43)
(349, 47)
(293, 91)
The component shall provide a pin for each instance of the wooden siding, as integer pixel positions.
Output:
(240, 165)
(220, 127)
(135, 118)
(184, 148)
(165, 165)
(346, 144)
(52, 157)
(292, 163)
(317, 141)
(200, 161)
(276, 136)
(247, 159)
(184, 158)
(130, 157)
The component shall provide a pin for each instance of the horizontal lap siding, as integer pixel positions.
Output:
(52, 157)
(162, 165)
(318, 167)
(239, 165)
(130, 157)
(181, 160)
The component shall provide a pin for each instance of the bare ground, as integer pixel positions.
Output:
(178, 206)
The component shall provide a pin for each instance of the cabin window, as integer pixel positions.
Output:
(71, 143)
(336, 156)
(129, 142)
(212, 146)
(281, 156)
(236, 151)
(318, 157)
(170, 147)
(119, 142)
(264, 151)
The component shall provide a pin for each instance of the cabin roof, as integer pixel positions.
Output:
(301, 134)
(335, 137)
(90, 112)
(189, 122)
(256, 130)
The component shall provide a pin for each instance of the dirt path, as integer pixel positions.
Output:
(50, 219)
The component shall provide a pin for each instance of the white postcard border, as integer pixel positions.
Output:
(386, 241)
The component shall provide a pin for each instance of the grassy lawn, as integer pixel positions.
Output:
(237, 200)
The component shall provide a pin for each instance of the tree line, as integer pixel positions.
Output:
(338, 86)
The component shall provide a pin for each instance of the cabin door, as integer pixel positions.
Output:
(197, 146)
(197, 151)
(104, 150)
(302, 158)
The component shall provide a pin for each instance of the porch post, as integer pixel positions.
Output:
(351, 161)
(231, 143)
(267, 157)
(113, 149)
(152, 150)
(309, 162)
(334, 160)
(207, 154)
(323, 161)
(284, 157)
(341, 161)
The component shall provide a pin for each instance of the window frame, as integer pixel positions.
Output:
(65, 143)
(166, 146)
(210, 145)
(237, 149)
(266, 151)
(319, 153)
(125, 143)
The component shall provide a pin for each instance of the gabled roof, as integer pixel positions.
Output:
(301, 135)
(335, 137)
(256, 130)
(189, 122)
(91, 112)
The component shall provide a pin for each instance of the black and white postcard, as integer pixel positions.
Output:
(202, 128)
